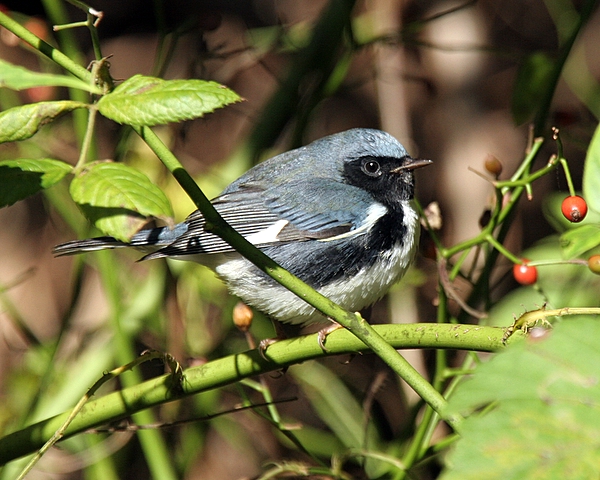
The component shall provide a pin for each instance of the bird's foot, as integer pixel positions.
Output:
(266, 342)
(322, 335)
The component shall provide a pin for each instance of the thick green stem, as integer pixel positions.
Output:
(233, 368)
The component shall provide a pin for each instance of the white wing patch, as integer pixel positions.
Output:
(269, 234)
(374, 213)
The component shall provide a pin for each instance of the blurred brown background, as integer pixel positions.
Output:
(438, 76)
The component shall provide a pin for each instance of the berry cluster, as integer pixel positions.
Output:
(574, 208)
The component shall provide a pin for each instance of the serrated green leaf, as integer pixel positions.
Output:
(546, 414)
(19, 78)
(591, 173)
(23, 177)
(118, 199)
(148, 101)
(531, 83)
(579, 240)
(20, 123)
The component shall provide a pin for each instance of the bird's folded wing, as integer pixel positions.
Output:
(269, 217)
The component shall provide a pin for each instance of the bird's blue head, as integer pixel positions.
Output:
(371, 160)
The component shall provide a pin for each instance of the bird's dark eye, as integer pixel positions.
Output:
(371, 168)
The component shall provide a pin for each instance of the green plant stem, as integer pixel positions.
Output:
(551, 165)
(265, 391)
(234, 368)
(87, 139)
(458, 264)
(45, 48)
(466, 245)
(74, 58)
(91, 25)
(525, 165)
(501, 212)
(534, 316)
(273, 417)
(502, 249)
(352, 321)
(545, 263)
(565, 165)
(93, 17)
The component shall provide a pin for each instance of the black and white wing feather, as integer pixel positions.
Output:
(267, 217)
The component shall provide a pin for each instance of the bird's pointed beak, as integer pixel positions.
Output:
(412, 164)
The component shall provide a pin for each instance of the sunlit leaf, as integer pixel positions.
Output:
(20, 123)
(118, 199)
(148, 101)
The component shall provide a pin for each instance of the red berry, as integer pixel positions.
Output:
(525, 274)
(574, 208)
(594, 264)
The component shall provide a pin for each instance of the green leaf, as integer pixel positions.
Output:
(19, 78)
(118, 199)
(545, 418)
(20, 123)
(579, 240)
(531, 83)
(23, 177)
(591, 173)
(147, 101)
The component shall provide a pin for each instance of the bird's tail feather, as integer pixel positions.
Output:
(89, 245)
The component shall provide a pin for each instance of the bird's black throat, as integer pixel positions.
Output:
(329, 261)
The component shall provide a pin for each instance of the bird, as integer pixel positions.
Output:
(338, 213)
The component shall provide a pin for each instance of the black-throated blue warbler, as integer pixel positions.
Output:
(336, 213)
